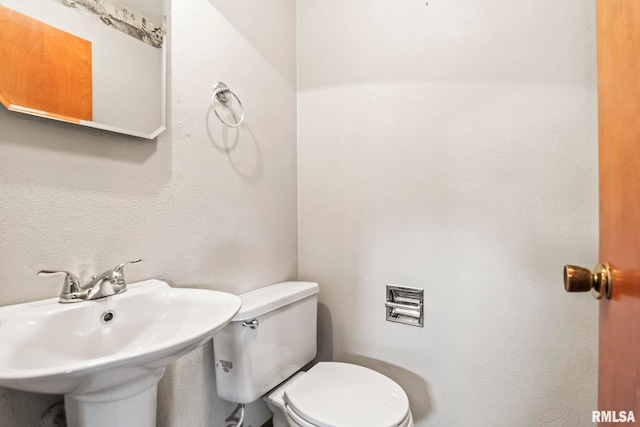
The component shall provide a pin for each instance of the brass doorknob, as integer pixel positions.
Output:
(579, 279)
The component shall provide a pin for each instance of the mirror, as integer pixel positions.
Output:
(98, 63)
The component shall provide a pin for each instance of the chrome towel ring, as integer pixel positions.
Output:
(221, 93)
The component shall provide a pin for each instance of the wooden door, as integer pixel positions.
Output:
(618, 35)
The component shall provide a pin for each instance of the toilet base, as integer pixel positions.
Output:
(275, 402)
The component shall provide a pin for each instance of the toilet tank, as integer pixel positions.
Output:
(272, 337)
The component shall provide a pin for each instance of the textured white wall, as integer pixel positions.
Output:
(449, 146)
(202, 205)
(453, 146)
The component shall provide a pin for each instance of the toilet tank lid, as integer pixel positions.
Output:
(272, 297)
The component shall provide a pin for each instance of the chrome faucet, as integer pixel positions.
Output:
(109, 283)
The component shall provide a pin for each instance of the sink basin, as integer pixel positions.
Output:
(106, 356)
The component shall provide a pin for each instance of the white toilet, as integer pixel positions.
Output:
(269, 341)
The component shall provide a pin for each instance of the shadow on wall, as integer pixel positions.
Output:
(392, 42)
(325, 335)
(20, 129)
(54, 154)
(244, 156)
(19, 408)
(415, 386)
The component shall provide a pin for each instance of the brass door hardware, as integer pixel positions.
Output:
(579, 279)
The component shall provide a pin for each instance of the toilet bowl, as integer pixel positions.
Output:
(261, 352)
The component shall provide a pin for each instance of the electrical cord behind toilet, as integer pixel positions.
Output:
(236, 422)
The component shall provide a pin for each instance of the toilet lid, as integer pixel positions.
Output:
(340, 394)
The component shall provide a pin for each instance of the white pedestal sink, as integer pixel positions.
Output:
(106, 356)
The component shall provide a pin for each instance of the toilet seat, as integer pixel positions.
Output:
(300, 422)
(340, 394)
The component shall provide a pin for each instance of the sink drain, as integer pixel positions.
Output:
(108, 316)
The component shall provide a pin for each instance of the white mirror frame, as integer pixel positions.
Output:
(120, 104)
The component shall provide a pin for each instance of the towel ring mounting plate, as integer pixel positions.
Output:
(222, 94)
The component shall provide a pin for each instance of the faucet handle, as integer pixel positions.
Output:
(120, 267)
(119, 271)
(71, 282)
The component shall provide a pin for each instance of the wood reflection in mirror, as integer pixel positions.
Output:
(43, 70)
